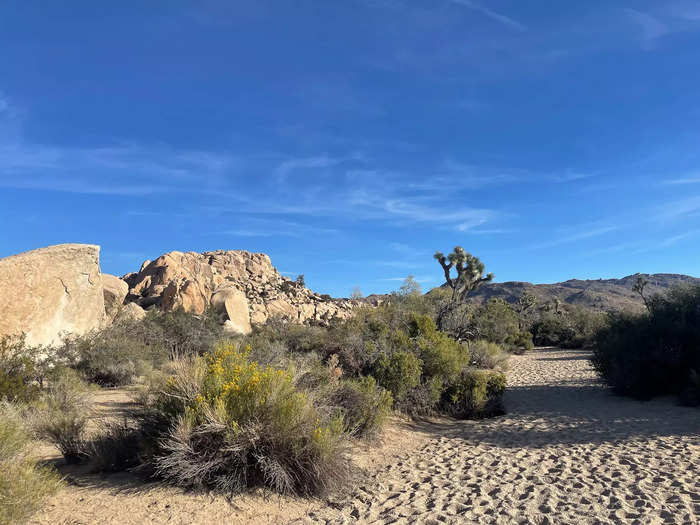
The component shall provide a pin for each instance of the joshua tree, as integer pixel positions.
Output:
(470, 272)
(639, 286)
(523, 304)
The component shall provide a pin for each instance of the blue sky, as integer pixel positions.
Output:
(351, 139)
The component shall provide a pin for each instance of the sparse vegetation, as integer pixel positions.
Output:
(61, 414)
(23, 484)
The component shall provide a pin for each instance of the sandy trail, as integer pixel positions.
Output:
(567, 452)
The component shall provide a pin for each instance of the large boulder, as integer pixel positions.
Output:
(50, 291)
(129, 312)
(193, 281)
(234, 304)
(115, 291)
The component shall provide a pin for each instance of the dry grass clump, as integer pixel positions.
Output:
(23, 484)
(488, 355)
(61, 414)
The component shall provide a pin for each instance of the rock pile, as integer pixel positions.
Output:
(243, 286)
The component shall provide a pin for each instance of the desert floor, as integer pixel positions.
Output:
(567, 452)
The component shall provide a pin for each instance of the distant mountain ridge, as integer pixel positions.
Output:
(601, 294)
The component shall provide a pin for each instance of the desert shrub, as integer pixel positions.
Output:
(115, 446)
(118, 354)
(496, 321)
(295, 338)
(570, 327)
(234, 424)
(422, 400)
(23, 485)
(493, 321)
(519, 343)
(113, 356)
(17, 369)
(61, 415)
(181, 332)
(656, 353)
(398, 372)
(485, 354)
(475, 394)
(365, 406)
(552, 329)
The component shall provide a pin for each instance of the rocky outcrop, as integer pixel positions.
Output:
(50, 291)
(129, 312)
(195, 281)
(115, 291)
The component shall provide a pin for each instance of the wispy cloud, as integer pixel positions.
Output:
(276, 228)
(677, 209)
(493, 15)
(675, 239)
(310, 163)
(683, 180)
(121, 170)
(651, 27)
(583, 232)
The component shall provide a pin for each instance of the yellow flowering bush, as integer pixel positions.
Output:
(235, 424)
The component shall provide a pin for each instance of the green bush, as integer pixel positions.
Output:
(519, 343)
(231, 424)
(570, 327)
(18, 371)
(656, 353)
(365, 406)
(398, 372)
(475, 394)
(442, 356)
(496, 321)
(23, 485)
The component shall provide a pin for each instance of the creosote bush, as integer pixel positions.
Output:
(23, 484)
(475, 394)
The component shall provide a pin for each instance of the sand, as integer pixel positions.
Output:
(567, 452)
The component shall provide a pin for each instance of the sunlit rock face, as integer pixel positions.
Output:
(51, 291)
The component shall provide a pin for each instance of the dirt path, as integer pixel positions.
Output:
(567, 452)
